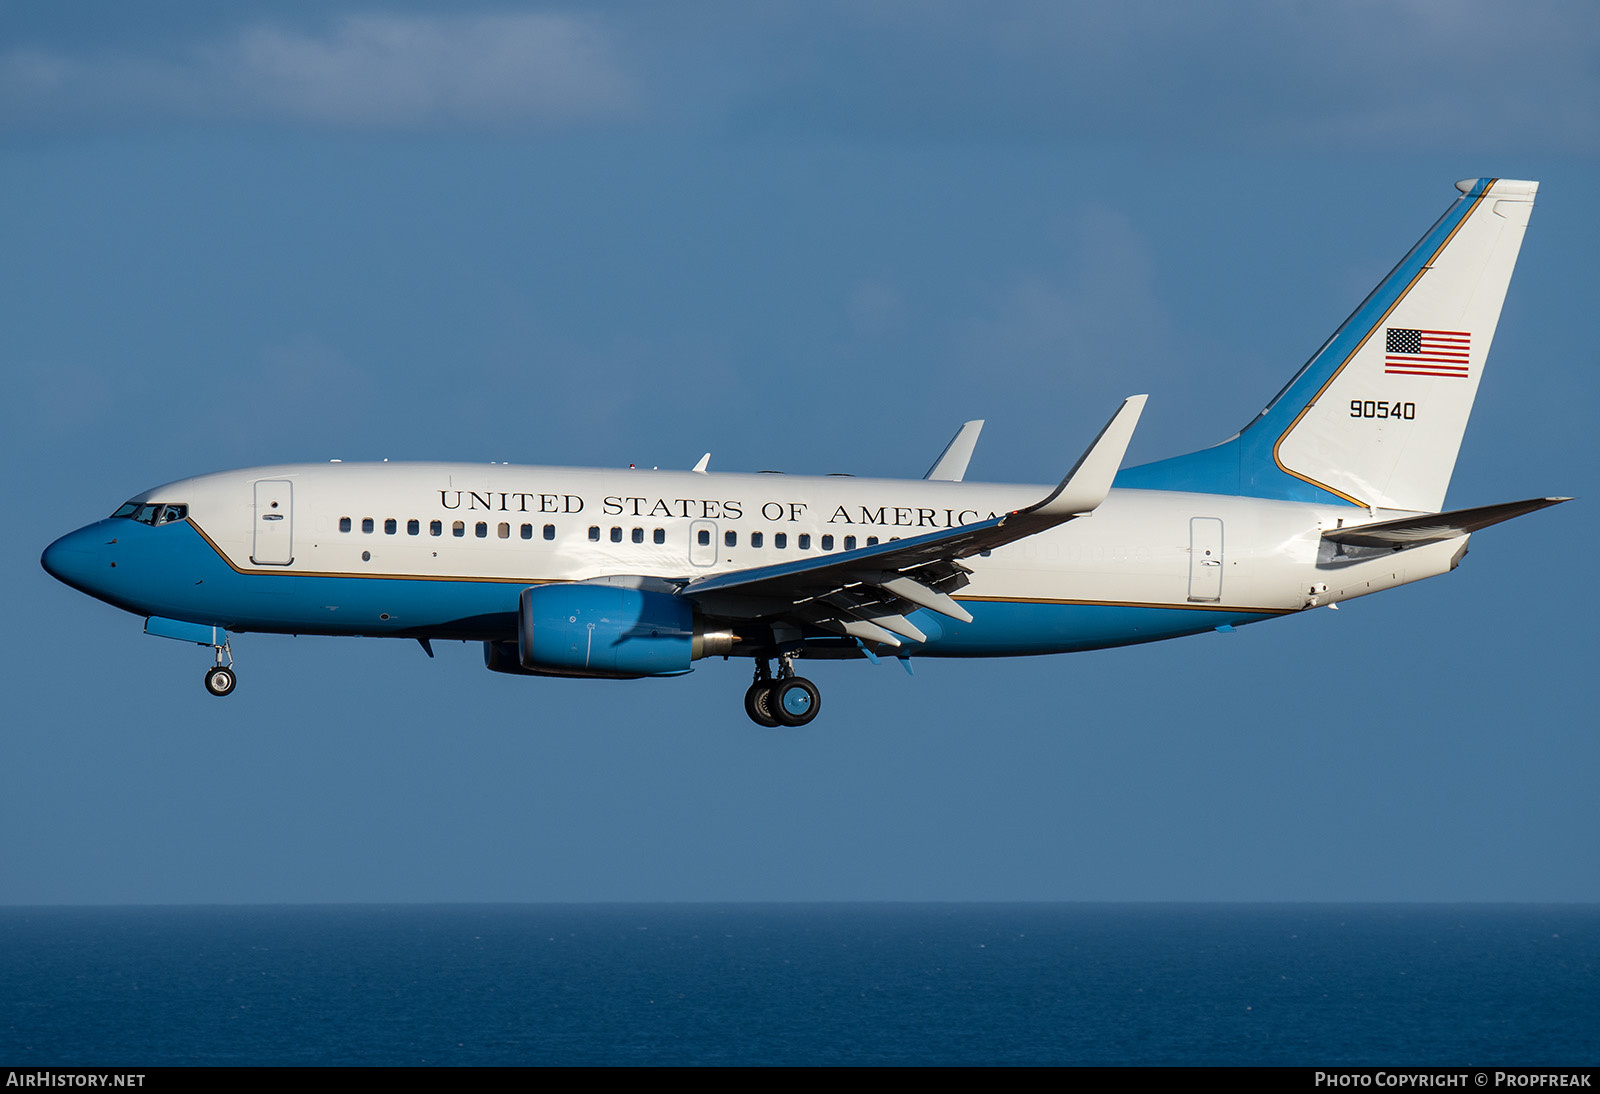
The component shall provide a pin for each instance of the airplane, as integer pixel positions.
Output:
(1333, 491)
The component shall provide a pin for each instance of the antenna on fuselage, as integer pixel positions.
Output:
(700, 468)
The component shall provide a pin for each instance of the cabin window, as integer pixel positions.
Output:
(503, 531)
(435, 528)
(638, 535)
(827, 543)
(872, 541)
(703, 537)
(780, 540)
(660, 535)
(458, 529)
(594, 533)
(805, 541)
(616, 535)
(413, 527)
(730, 539)
(390, 527)
(481, 529)
(849, 543)
(344, 524)
(756, 539)
(549, 531)
(366, 524)
(527, 531)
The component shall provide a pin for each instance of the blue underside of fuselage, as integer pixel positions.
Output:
(172, 572)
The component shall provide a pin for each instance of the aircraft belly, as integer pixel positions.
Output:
(1004, 628)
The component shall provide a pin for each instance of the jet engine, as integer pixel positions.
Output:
(609, 631)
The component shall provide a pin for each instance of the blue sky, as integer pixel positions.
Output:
(806, 237)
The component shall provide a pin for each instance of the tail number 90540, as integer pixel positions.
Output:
(1377, 408)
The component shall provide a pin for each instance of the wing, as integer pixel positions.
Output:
(867, 593)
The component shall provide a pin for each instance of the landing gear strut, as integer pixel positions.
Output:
(220, 679)
(788, 700)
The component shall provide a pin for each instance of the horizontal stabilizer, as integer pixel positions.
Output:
(1433, 527)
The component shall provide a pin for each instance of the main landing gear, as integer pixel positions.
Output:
(220, 679)
(788, 700)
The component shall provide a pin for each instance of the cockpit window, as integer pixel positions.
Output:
(152, 512)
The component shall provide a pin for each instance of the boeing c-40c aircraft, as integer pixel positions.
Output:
(1332, 492)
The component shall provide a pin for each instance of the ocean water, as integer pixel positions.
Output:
(801, 984)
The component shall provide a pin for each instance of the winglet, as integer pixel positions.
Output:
(1089, 481)
(951, 466)
(700, 468)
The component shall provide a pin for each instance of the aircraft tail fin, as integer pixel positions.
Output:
(1376, 417)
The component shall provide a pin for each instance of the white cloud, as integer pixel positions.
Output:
(1238, 73)
(384, 70)
(364, 71)
(1398, 75)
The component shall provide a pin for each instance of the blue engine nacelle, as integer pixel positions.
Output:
(604, 630)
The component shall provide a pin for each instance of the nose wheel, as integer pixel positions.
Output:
(789, 700)
(220, 680)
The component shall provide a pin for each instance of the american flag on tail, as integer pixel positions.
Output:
(1410, 352)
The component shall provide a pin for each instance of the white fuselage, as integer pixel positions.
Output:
(523, 525)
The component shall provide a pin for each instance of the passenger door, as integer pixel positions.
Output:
(274, 519)
(1205, 559)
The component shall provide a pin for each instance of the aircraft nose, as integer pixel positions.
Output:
(73, 558)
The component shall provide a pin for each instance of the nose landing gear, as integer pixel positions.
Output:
(788, 700)
(220, 678)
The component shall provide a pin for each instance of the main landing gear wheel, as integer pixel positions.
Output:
(794, 701)
(220, 680)
(758, 704)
